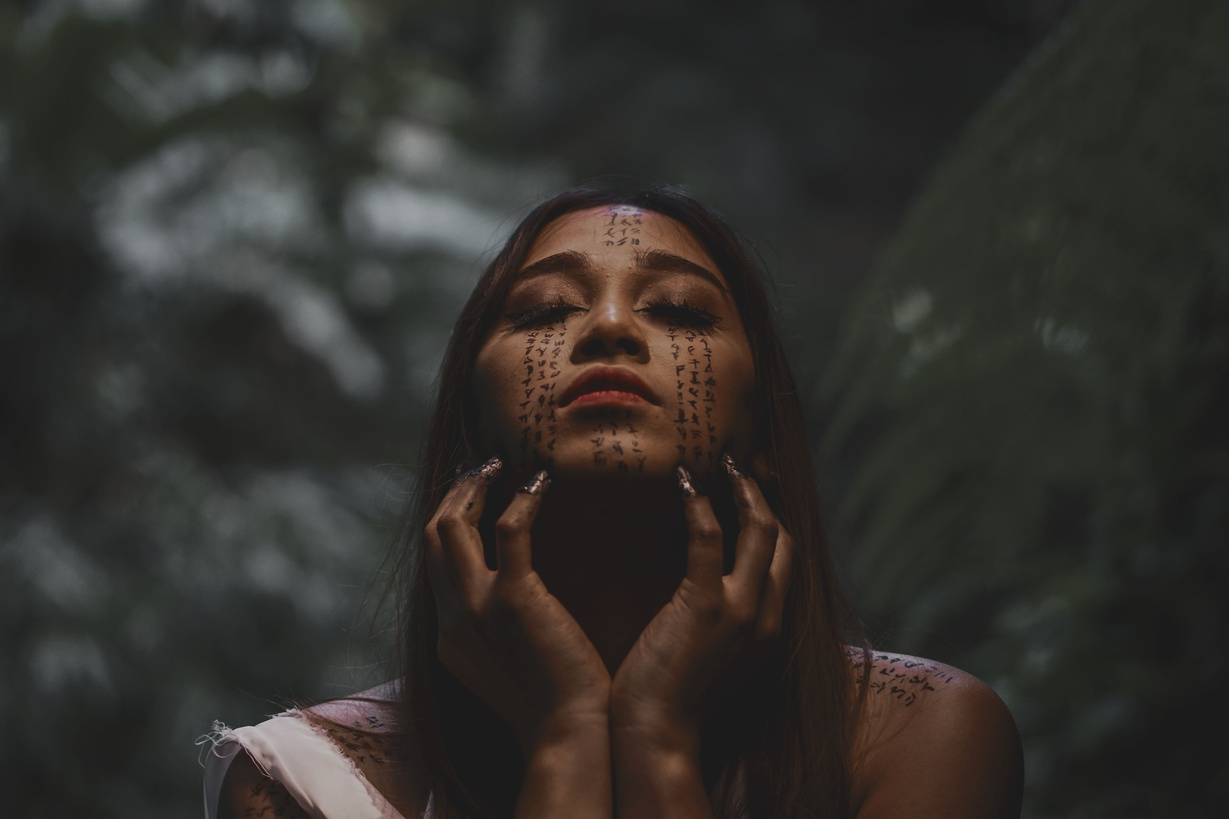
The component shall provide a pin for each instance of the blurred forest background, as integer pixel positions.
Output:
(234, 234)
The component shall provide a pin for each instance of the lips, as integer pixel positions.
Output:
(608, 380)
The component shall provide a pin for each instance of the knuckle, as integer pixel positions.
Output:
(707, 532)
(509, 524)
(450, 525)
(762, 520)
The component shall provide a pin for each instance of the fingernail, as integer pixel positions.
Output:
(685, 484)
(537, 484)
(488, 471)
(730, 467)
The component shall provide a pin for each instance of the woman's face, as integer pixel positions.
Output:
(619, 350)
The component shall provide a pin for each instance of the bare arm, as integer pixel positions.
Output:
(248, 793)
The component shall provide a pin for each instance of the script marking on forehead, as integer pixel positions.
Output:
(621, 227)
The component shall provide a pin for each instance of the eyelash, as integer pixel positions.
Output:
(540, 314)
(683, 313)
(680, 313)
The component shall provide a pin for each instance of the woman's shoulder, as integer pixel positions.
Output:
(372, 711)
(932, 735)
(360, 735)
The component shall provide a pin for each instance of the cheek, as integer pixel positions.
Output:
(714, 398)
(700, 410)
(493, 382)
(739, 391)
(516, 386)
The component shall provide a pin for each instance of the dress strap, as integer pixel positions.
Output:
(290, 749)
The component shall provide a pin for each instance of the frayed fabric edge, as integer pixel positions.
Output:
(318, 775)
(208, 742)
(219, 748)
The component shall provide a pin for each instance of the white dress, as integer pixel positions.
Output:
(291, 749)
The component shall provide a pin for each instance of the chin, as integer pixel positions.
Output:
(587, 472)
(596, 455)
(582, 465)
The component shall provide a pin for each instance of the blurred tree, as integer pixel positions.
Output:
(231, 239)
(1034, 390)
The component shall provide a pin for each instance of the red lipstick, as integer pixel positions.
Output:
(607, 385)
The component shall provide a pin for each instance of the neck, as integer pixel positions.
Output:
(613, 553)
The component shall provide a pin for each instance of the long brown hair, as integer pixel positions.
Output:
(789, 755)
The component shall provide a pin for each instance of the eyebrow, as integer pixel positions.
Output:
(662, 261)
(666, 262)
(564, 262)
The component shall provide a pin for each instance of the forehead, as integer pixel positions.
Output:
(614, 234)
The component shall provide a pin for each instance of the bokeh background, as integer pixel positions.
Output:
(234, 233)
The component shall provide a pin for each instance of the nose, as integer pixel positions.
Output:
(610, 330)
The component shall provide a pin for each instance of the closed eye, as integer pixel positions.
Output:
(540, 315)
(682, 314)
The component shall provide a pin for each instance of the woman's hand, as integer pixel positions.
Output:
(501, 632)
(711, 631)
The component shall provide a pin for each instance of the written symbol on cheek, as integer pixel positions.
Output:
(540, 368)
(622, 229)
(696, 394)
(681, 421)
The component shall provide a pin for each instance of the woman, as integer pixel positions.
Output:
(626, 605)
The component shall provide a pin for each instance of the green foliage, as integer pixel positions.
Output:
(220, 298)
(1035, 389)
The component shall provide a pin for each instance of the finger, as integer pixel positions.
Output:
(456, 526)
(758, 532)
(513, 553)
(443, 586)
(438, 574)
(780, 574)
(472, 488)
(704, 547)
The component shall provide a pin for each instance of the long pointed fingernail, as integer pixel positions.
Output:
(731, 468)
(488, 471)
(685, 485)
(537, 484)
